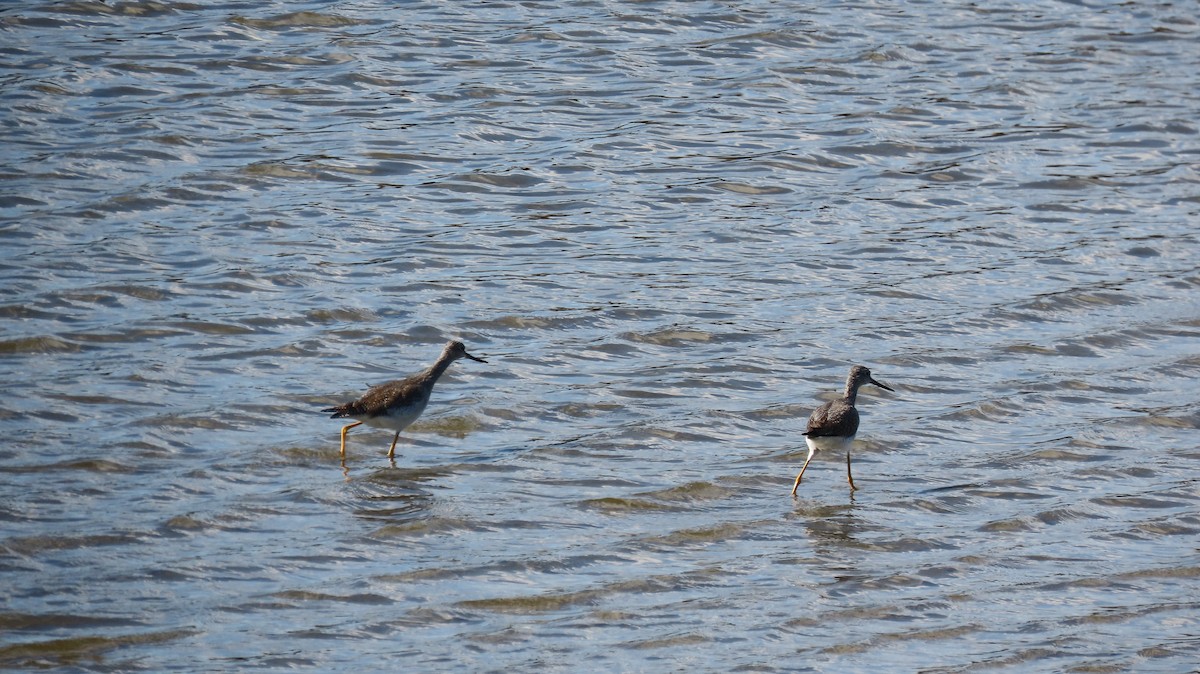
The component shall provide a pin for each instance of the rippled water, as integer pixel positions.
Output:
(670, 227)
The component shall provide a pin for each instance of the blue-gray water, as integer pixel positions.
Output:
(670, 227)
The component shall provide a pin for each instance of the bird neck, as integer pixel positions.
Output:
(435, 371)
(851, 393)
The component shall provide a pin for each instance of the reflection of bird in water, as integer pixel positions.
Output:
(830, 527)
(397, 404)
(834, 424)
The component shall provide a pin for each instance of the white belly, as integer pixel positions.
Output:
(396, 420)
(828, 443)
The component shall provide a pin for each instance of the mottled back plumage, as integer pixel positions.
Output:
(836, 418)
(379, 399)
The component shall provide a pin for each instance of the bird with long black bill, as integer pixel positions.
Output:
(834, 424)
(396, 404)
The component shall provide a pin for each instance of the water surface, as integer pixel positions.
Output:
(670, 228)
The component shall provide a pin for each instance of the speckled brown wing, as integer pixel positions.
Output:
(833, 419)
(377, 400)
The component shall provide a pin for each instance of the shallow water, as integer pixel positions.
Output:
(670, 228)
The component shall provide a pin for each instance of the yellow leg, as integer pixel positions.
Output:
(392, 449)
(848, 475)
(344, 429)
(804, 468)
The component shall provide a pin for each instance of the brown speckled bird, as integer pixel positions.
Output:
(834, 424)
(396, 404)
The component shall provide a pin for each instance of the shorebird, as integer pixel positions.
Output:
(396, 404)
(834, 424)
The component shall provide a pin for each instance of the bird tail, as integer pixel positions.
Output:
(338, 412)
